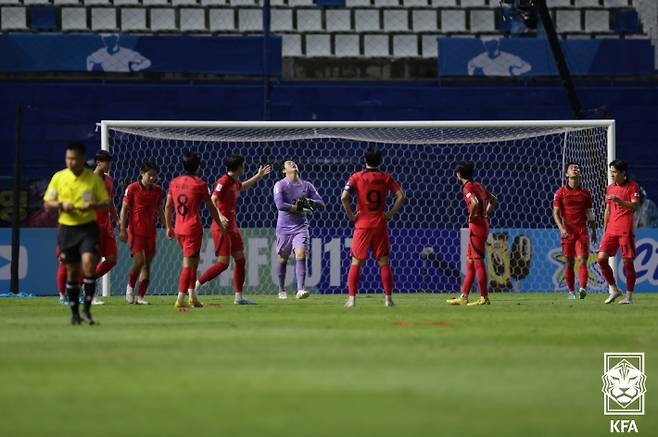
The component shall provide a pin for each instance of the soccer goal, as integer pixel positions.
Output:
(521, 162)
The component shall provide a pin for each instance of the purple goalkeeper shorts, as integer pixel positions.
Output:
(287, 242)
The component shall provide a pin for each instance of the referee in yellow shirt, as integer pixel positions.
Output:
(77, 192)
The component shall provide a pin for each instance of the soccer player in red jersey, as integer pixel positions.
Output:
(479, 203)
(229, 243)
(142, 204)
(185, 195)
(621, 200)
(572, 212)
(371, 187)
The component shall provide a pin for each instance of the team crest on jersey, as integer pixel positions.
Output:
(218, 187)
(86, 196)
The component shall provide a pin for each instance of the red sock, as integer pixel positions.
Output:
(481, 271)
(469, 278)
(238, 275)
(570, 277)
(61, 278)
(607, 271)
(214, 271)
(353, 279)
(143, 285)
(387, 278)
(582, 275)
(191, 281)
(104, 267)
(132, 278)
(184, 279)
(630, 276)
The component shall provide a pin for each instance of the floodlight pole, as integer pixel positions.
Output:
(267, 87)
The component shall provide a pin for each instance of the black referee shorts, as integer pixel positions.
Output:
(73, 241)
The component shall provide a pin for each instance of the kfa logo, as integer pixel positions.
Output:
(623, 388)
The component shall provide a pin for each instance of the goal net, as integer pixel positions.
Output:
(522, 163)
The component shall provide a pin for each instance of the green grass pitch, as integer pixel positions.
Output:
(529, 365)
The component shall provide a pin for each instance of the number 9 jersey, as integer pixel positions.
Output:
(372, 187)
(187, 193)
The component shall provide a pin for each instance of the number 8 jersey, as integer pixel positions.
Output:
(188, 192)
(372, 187)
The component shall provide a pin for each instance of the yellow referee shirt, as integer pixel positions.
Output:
(65, 186)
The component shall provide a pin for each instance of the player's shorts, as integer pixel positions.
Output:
(611, 243)
(107, 243)
(286, 243)
(228, 242)
(190, 244)
(477, 240)
(577, 244)
(141, 244)
(73, 241)
(375, 239)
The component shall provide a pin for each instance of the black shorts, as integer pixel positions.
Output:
(73, 241)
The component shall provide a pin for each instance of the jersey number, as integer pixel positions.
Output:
(181, 207)
(374, 200)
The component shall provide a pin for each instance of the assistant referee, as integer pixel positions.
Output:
(77, 192)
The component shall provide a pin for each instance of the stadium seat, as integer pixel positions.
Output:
(559, 3)
(97, 2)
(10, 2)
(366, 20)
(357, 3)
(387, 3)
(250, 20)
(318, 44)
(281, 20)
(396, 20)
(193, 20)
(127, 3)
(405, 46)
(338, 20)
(43, 18)
(104, 19)
(415, 3)
(482, 20)
(221, 20)
(626, 21)
(567, 20)
(13, 18)
(66, 2)
(156, 2)
(346, 45)
(184, 2)
(292, 3)
(424, 20)
(243, 3)
(74, 19)
(291, 44)
(453, 20)
(163, 19)
(429, 46)
(36, 2)
(616, 3)
(376, 45)
(587, 3)
(213, 2)
(133, 20)
(309, 20)
(597, 20)
(444, 3)
(473, 3)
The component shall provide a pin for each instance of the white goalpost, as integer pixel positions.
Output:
(521, 161)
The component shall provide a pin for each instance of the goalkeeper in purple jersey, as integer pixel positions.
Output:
(295, 199)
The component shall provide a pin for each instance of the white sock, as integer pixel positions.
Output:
(238, 295)
(130, 290)
(181, 297)
(191, 292)
(196, 286)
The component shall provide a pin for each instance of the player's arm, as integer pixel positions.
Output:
(123, 219)
(493, 202)
(263, 171)
(281, 203)
(592, 222)
(113, 212)
(399, 200)
(473, 210)
(168, 212)
(632, 205)
(345, 198)
(214, 198)
(606, 216)
(215, 214)
(559, 221)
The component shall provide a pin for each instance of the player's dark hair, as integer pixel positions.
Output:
(570, 163)
(76, 146)
(373, 157)
(233, 162)
(465, 169)
(103, 156)
(149, 165)
(620, 165)
(191, 162)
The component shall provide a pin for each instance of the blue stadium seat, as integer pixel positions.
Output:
(43, 18)
(626, 21)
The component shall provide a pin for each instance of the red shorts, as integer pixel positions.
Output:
(610, 244)
(107, 243)
(190, 244)
(141, 244)
(477, 240)
(577, 244)
(228, 242)
(365, 239)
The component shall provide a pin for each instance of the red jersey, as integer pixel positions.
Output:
(144, 203)
(371, 186)
(188, 192)
(227, 191)
(472, 188)
(103, 216)
(620, 220)
(573, 204)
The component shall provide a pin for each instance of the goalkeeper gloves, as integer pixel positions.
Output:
(305, 205)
